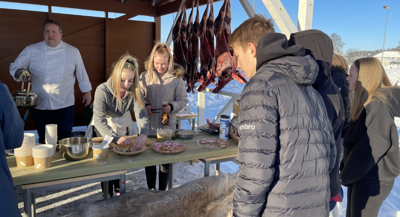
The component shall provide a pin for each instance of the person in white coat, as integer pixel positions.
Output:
(114, 101)
(50, 65)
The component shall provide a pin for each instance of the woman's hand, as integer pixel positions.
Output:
(140, 142)
(123, 140)
(167, 109)
(148, 109)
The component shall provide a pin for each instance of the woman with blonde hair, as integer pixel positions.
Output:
(164, 93)
(114, 100)
(371, 153)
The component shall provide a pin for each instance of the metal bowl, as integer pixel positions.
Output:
(184, 136)
(75, 148)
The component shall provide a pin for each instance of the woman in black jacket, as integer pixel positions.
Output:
(371, 153)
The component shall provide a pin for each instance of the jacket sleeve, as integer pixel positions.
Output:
(142, 119)
(21, 63)
(258, 129)
(11, 122)
(363, 157)
(371, 147)
(99, 114)
(180, 100)
(81, 74)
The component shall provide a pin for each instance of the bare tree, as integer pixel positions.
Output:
(337, 43)
(352, 55)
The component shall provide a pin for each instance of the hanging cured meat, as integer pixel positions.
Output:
(226, 66)
(184, 37)
(210, 39)
(193, 47)
(216, 61)
(179, 53)
(206, 59)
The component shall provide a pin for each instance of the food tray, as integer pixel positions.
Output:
(186, 134)
(212, 145)
(206, 128)
(163, 152)
(129, 154)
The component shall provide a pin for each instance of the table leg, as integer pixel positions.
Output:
(191, 162)
(193, 124)
(106, 195)
(33, 204)
(122, 183)
(207, 169)
(218, 168)
(171, 176)
(27, 202)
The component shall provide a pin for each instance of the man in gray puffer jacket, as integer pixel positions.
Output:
(286, 145)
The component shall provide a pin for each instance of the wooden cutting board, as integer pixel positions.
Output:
(133, 139)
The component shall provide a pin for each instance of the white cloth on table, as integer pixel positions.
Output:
(52, 73)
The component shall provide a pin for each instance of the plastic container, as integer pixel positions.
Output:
(224, 127)
(164, 135)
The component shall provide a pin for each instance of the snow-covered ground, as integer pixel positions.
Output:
(62, 202)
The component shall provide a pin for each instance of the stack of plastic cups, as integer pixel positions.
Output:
(51, 135)
(42, 155)
(23, 155)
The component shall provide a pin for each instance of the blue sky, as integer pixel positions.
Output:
(360, 23)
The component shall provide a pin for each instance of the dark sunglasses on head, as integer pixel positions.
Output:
(163, 46)
(131, 62)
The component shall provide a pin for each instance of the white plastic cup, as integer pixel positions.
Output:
(51, 135)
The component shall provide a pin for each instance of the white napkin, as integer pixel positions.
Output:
(106, 142)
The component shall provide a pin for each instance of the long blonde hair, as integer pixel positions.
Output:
(339, 64)
(130, 63)
(371, 77)
(160, 50)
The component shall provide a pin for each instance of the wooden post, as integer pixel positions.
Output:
(158, 28)
(49, 14)
(107, 45)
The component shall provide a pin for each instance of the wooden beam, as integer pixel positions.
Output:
(140, 8)
(107, 46)
(175, 6)
(49, 15)
(162, 2)
(305, 14)
(247, 7)
(158, 29)
(280, 16)
(169, 38)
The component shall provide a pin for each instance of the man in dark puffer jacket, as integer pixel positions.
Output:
(286, 142)
(320, 46)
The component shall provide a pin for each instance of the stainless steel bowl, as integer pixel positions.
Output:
(184, 136)
(75, 148)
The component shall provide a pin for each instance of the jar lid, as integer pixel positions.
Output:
(224, 116)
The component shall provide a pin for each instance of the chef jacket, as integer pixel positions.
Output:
(52, 73)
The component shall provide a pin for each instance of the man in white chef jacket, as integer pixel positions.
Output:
(50, 64)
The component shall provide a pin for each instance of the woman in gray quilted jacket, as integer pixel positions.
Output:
(162, 83)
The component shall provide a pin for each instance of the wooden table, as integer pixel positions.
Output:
(63, 169)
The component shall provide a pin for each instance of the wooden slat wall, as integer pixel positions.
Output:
(19, 29)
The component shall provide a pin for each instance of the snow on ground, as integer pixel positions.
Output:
(63, 202)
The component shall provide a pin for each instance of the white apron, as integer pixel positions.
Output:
(117, 124)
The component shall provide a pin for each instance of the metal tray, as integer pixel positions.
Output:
(207, 129)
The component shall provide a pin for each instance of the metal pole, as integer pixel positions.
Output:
(383, 48)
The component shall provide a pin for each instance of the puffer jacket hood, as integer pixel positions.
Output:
(178, 71)
(318, 45)
(273, 46)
